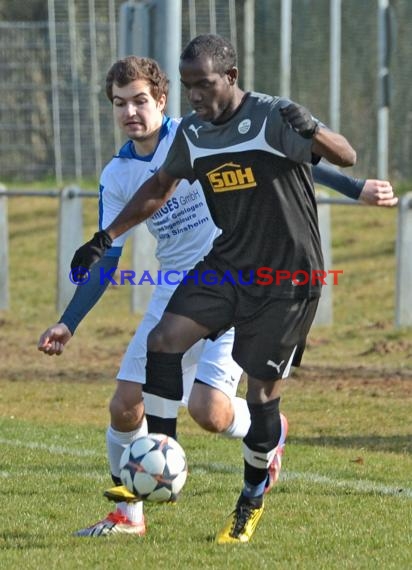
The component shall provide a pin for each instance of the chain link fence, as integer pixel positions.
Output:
(55, 120)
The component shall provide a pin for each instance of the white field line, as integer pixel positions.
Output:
(54, 449)
(359, 486)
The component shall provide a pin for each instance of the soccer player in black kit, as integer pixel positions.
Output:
(252, 154)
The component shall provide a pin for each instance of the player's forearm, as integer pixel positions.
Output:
(87, 295)
(145, 202)
(332, 178)
(334, 147)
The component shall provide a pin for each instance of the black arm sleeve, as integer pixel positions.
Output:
(333, 178)
(87, 295)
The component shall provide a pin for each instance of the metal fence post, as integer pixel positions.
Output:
(134, 29)
(4, 252)
(335, 58)
(324, 314)
(249, 46)
(384, 87)
(143, 259)
(54, 78)
(403, 305)
(70, 237)
(167, 47)
(285, 46)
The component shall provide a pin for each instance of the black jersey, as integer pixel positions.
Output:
(256, 175)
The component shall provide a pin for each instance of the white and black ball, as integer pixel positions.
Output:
(154, 468)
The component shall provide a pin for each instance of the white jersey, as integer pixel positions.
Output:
(183, 226)
(184, 232)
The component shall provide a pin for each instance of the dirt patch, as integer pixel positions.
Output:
(374, 379)
(383, 347)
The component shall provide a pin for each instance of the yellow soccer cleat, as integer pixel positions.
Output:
(119, 494)
(241, 523)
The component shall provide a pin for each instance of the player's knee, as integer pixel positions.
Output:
(159, 340)
(173, 333)
(208, 420)
(126, 415)
(211, 409)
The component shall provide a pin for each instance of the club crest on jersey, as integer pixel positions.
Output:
(244, 126)
(231, 176)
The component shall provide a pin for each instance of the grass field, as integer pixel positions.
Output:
(345, 496)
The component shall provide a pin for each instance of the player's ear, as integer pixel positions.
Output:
(232, 75)
(161, 102)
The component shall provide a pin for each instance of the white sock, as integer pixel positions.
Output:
(133, 511)
(116, 441)
(241, 420)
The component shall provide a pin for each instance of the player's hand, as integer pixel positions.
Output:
(378, 193)
(300, 119)
(52, 341)
(88, 254)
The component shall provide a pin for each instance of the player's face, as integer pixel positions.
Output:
(136, 112)
(211, 95)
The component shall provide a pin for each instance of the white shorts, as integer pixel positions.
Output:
(210, 362)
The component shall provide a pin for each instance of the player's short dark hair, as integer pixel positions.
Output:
(218, 49)
(130, 68)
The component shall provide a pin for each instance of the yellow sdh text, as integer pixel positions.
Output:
(231, 176)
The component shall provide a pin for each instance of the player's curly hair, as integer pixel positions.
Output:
(130, 68)
(218, 49)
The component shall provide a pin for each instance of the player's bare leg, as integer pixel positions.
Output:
(166, 344)
(216, 412)
(127, 424)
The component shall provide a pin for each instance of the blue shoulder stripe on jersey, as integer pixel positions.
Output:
(128, 150)
(115, 251)
(101, 188)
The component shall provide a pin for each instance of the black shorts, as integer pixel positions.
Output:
(270, 333)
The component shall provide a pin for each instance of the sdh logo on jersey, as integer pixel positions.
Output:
(230, 177)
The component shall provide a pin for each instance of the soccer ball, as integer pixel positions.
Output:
(154, 468)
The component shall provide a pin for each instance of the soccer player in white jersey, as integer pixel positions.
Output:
(184, 232)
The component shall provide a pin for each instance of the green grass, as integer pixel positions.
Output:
(330, 510)
(344, 500)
